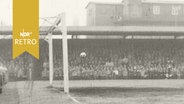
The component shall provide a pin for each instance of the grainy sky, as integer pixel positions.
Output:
(75, 10)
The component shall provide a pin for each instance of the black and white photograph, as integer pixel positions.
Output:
(92, 52)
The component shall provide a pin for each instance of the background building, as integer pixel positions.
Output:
(135, 12)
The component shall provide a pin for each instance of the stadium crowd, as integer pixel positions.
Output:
(108, 59)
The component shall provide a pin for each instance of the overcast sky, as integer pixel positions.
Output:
(75, 10)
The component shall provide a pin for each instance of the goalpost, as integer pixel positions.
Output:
(65, 53)
(60, 19)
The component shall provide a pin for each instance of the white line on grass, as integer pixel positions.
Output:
(75, 100)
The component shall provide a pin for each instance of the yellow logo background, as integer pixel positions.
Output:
(25, 18)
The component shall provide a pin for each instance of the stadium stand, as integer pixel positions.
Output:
(105, 59)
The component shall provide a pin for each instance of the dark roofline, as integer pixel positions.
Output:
(109, 30)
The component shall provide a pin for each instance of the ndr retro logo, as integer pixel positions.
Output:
(25, 39)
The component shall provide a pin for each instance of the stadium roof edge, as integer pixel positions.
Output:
(106, 30)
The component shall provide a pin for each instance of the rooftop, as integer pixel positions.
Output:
(164, 1)
(143, 1)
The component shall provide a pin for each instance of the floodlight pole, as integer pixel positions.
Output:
(65, 52)
(50, 59)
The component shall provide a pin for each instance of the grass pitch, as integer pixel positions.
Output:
(96, 92)
(128, 91)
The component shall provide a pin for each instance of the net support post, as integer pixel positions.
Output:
(65, 52)
(50, 59)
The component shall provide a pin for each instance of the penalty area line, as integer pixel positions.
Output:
(75, 100)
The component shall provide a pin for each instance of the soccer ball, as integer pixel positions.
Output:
(82, 54)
